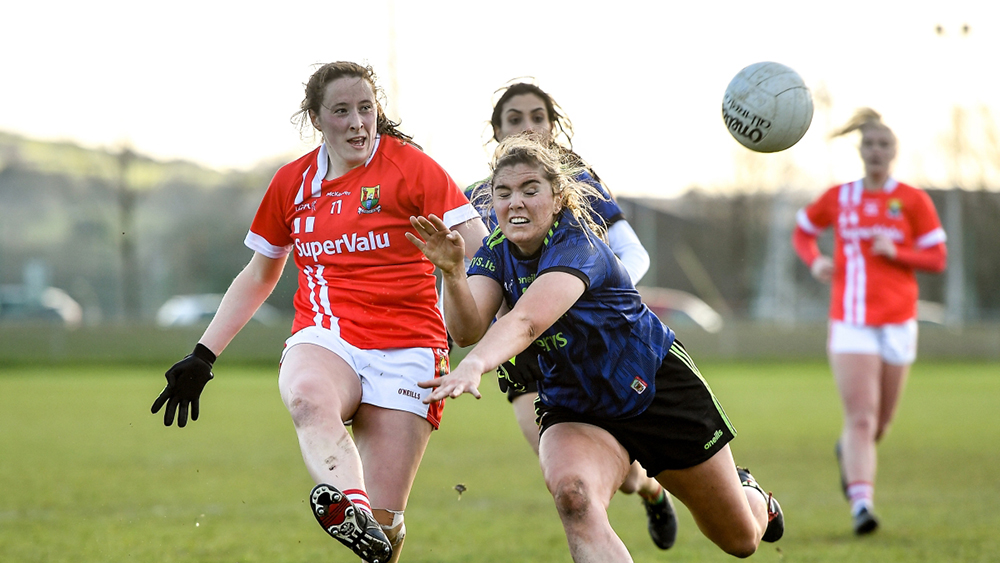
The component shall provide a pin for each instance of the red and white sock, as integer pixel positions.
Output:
(861, 494)
(360, 500)
(656, 498)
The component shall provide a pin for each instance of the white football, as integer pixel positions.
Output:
(767, 107)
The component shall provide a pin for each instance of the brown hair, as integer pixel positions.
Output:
(559, 121)
(315, 88)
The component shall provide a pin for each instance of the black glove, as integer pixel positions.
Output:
(519, 371)
(504, 379)
(185, 380)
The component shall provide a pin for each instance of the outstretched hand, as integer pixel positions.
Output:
(444, 247)
(453, 385)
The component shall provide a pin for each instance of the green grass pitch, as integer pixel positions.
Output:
(87, 474)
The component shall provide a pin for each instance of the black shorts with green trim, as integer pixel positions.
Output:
(684, 425)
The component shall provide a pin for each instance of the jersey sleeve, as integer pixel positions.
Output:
(269, 233)
(926, 225)
(818, 215)
(606, 207)
(572, 251)
(434, 191)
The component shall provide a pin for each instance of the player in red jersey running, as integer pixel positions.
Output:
(367, 328)
(884, 230)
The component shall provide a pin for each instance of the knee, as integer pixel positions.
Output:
(864, 424)
(742, 545)
(633, 482)
(572, 499)
(304, 407)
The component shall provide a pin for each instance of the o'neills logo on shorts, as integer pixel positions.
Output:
(715, 438)
(408, 393)
(638, 385)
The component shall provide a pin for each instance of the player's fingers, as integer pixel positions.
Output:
(422, 227)
(158, 403)
(416, 241)
(437, 222)
(436, 396)
(182, 415)
(436, 382)
(168, 415)
(194, 409)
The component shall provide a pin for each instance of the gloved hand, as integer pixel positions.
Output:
(504, 378)
(519, 371)
(185, 381)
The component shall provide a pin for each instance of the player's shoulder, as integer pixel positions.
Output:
(471, 188)
(903, 188)
(832, 195)
(403, 155)
(300, 164)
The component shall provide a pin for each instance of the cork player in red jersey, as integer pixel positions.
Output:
(367, 328)
(884, 230)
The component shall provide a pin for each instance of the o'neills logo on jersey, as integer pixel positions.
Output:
(346, 243)
(369, 200)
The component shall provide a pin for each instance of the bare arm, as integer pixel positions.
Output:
(245, 295)
(546, 299)
(469, 304)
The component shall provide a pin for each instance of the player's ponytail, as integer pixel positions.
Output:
(862, 118)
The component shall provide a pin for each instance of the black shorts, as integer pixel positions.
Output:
(684, 425)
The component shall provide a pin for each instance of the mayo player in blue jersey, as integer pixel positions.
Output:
(616, 385)
(523, 107)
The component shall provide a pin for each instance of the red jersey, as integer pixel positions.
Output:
(357, 272)
(868, 289)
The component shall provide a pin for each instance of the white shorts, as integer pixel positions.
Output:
(388, 377)
(895, 343)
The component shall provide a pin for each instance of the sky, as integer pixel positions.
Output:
(216, 82)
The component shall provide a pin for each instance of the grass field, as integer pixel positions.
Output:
(87, 474)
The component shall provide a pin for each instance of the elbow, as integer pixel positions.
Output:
(463, 341)
(942, 260)
(464, 336)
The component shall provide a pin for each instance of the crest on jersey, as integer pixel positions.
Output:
(638, 385)
(894, 208)
(369, 200)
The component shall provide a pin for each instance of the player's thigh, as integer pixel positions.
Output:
(574, 454)
(712, 492)
(858, 380)
(313, 377)
(391, 444)
(524, 412)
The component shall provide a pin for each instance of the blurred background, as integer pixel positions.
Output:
(137, 141)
